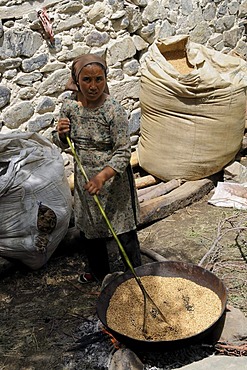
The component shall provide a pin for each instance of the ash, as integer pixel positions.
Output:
(94, 356)
(95, 349)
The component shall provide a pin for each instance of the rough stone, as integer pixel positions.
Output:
(15, 115)
(97, 38)
(201, 33)
(10, 63)
(230, 37)
(243, 9)
(134, 121)
(45, 105)
(72, 7)
(127, 88)
(27, 93)
(20, 44)
(124, 359)
(68, 24)
(29, 65)
(55, 82)
(235, 327)
(120, 50)
(131, 67)
(4, 96)
(209, 12)
(40, 122)
(27, 79)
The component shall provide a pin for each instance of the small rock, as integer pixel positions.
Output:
(235, 326)
(125, 359)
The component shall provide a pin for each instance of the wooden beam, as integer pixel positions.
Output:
(157, 190)
(163, 206)
(134, 159)
(142, 182)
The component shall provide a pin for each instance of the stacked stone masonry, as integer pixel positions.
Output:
(34, 70)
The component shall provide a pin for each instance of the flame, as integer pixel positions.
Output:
(114, 341)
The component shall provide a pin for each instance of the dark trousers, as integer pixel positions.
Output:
(97, 254)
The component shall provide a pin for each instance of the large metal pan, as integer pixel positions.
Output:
(188, 271)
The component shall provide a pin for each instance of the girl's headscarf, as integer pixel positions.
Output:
(77, 65)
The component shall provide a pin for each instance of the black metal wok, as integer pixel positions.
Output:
(188, 271)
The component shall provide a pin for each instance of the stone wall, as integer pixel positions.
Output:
(34, 70)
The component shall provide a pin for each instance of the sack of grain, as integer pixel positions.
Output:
(35, 198)
(193, 103)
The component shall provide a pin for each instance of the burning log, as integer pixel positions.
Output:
(86, 340)
(96, 337)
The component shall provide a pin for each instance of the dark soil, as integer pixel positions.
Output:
(41, 311)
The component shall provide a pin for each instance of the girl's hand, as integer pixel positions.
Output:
(95, 184)
(63, 128)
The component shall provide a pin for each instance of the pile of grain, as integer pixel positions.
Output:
(178, 59)
(188, 308)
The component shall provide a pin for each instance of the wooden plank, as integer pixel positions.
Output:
(163, 206)
(152, 254)
(157, 190)
(143, 191)
(142, 182)
(134, 159)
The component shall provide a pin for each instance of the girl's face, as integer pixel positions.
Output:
(92, 82)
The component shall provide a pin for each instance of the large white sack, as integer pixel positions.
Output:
(192, 123)
(35, 198)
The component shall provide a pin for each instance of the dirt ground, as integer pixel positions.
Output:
(41, 311)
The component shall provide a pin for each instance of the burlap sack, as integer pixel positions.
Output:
(193, 103)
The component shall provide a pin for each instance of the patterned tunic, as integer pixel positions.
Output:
(101, 138)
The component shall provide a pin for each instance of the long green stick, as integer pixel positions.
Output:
(138, 280)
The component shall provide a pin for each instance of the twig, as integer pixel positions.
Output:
(82, 290)
(35, 340)
(215, 243)
(51, 328)
(152, 254)
(215, 248)
(240, 248)
(231, 349)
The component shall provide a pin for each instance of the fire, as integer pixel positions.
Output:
(114, 341)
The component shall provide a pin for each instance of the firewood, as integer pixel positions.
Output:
(143, 191)
(142, 182)
(152, 254)
(134, 159)
(163, 206)
(155, 191)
